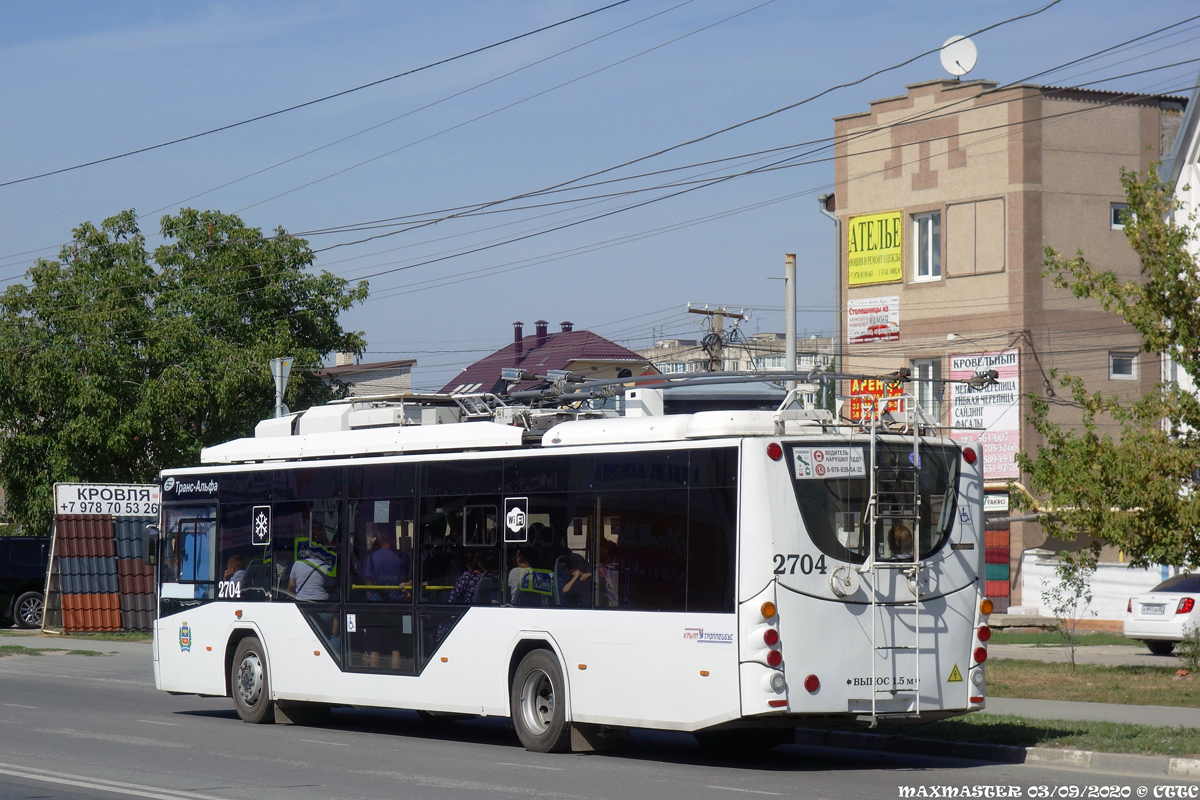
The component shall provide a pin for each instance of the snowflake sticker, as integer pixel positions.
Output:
(261, 525)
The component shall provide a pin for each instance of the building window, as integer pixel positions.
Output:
(927, 243)
(671, 367)
(730, 365)
(1122, 366)
(1117, 213)
(771, 362)
(927, 372)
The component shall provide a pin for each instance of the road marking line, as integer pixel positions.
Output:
(18, 705)
(318, 741)
(527, 766)
(747, 791)
(156, 722)
(116, 787)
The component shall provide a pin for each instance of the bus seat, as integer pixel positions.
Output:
(487, 591)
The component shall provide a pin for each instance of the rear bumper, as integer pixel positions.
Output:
(1159, 630)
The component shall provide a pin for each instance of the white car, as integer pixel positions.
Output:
(1165, 614)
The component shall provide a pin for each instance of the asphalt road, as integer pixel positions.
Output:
(94, 727)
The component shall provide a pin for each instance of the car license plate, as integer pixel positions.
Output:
(1155, 611)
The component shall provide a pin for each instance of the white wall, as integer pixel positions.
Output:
(1112, 585)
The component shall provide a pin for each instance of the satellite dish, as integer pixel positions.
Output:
(958, 55)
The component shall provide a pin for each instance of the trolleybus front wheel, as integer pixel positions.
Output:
(248, 678)
(538, 700)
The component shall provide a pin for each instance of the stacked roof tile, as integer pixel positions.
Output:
(105, 583)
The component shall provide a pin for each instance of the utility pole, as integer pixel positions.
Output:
(789, 310)
(716, 351)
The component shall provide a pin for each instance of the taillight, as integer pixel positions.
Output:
(812, 683)
(774, 451)
(969, 455)
(984, 633)
(774, 658)
(1186, 605)
(980, 655)
(986, 606)
(1129, 606)
(771, 637)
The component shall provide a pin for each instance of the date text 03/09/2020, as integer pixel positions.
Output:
(1053, 791)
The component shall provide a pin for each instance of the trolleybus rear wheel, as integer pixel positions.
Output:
(538, 701)
(248, 679)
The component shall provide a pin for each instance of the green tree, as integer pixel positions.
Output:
(116, 364)
(1136, 490)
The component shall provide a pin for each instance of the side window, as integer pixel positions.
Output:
(712, 538)
(191, 545)
(304, 549)
(381, 550)
(458, 547)
(553, 567)
(27, 554)
(243, 570)
(642, 561)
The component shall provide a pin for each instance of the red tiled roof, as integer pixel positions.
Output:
(559, 352)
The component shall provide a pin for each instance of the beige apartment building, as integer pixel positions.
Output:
(946, 197)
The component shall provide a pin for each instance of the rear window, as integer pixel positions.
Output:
(834, 508)
(1180, 583)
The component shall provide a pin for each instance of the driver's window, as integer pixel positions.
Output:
(191, 545)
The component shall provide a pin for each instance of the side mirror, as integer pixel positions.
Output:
(151, 554)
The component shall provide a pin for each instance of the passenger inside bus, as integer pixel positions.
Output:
(385, 570)
(900, 542)
(235, 570)
(314, 572)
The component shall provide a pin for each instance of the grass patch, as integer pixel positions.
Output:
(1108, 737)
(19, 650)
(1092, 683)
(1052, 639)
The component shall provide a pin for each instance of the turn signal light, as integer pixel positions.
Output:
(768, 610)
(1186, 605)
(980, 655)
(969, 455)
(984, 633)
(812, 683)
(774, 658)
(774, 451)
(771, 637)
(986, 607)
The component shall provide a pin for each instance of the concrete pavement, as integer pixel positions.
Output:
(1133, 655)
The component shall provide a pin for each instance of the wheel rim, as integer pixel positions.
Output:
(537, 702)
(31, 612)
(250, 679)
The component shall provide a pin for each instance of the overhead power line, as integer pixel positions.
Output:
(313, 102)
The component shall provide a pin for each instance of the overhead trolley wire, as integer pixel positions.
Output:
(315, 101)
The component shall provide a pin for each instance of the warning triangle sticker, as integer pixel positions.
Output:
(955, 675)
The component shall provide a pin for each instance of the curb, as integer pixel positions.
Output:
(1125, 763)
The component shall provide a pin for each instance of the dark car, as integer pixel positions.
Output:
(23, 579)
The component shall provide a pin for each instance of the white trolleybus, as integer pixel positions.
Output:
(583, 571)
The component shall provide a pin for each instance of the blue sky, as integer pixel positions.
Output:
(88, 80)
